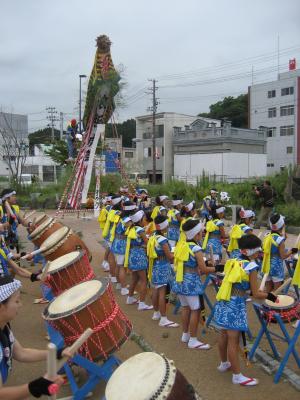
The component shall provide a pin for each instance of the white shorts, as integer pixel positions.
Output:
(193, 302)
(120, 258)
(274, 279)
(158, 286)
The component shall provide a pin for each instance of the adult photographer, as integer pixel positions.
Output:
(267, 194)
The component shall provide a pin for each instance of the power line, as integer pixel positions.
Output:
(52, 117)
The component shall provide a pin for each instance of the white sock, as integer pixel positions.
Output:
(163, 320)
(185, 337)
(141, 304)
(239, 378)
(193, 340)
(224, 366)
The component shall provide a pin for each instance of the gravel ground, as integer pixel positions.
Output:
(199, 367)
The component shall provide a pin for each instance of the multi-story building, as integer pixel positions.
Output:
(275, 106)
(164, 123)
(224, 153)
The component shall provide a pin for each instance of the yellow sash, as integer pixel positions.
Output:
(171, 215)
(210, 227)
(16, 208)
(182, 253)
(236, 233)
(234, 273)
(115, 221)
(2, 252)
(131, 234)
(102, 217)
(296, 277)
(267, 244)
(109, 220)
(151, 253)
(155, 212)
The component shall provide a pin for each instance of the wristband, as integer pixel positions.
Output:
(59, 355)
(39, 386)
(33, 277)
(219, 268)
(271, 297)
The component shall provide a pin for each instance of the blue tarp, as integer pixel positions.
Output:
(111, 161)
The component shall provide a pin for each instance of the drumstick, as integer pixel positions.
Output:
(259, 235)
(75, 346)
(29, 214)
(282, 287)
(263, 282)
(33, 253)
(45, 271)
(52, 368)
(9, 210)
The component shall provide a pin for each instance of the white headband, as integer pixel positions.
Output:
(123, 189)
(247, 213)
(213, 192)
(220, 210)
(108, 198)
(129, 208)
(143, 190)
(162, 208)
(9, 289)
(6, 196)
(250, 252)
(116, 200)
(162, 225)
(176, 202)
(279, 224)
(162, 198)
(193, 232)
(137, 216)
(190, 206)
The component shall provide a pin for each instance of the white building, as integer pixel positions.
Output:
(222, 153)
(275, 105)
(165, 123)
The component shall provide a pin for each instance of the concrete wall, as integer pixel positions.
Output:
(259, 105)
(232, 165)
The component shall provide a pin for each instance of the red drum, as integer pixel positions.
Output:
(149, 376)
(287, 307)
(61, 242)
(44, 230)
(90, 305)
(69, 270)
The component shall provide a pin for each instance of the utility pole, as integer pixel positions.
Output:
(153, 108)
(61, 125)
(52, 118)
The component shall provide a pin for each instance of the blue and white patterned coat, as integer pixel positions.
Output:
(232, 314)
(138, 259)
(174, 227)
(277, 265)
(191, 284)
(119, 243)
(215, 241)
(162, 271)
(245, 229)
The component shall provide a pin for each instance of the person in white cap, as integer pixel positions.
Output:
(160, 271)
(174, 221)
(275, 252)
(11, 349)
(189, 265)
(245, 227)
(136, 260)
(209, 204)
(215, 232)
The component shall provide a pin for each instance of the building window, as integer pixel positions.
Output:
(270, 165)
(289, 150)
(286, 110)
(271, 132)
(271, 93)
(272, 112)
(30, 169)
(287, 91)
(48, 173)
(287, 130)
(128, 154)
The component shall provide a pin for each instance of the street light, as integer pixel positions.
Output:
(80, 77)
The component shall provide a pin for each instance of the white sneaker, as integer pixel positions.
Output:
(224, 366)
(244, 380)
(144, 307)
(118, 286)
(131, 300)
(166, 323)
(156, 316)
(124, 291)
(105, 265)
(113, 279)
(196, 344)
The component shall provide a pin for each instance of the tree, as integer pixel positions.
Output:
(58, 152)
(127, 129)
(234, 109)
(13, 147)
(43, 136)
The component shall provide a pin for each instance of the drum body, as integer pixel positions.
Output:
(287, 307)
(44, 230)
(148, 376)
(61, 242)
(40, 219)
(69, 270)
(90, 305)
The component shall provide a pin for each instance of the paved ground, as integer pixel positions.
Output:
(198, 366)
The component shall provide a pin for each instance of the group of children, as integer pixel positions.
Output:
(169, 248)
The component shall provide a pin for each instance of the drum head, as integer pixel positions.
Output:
(55, 238)
(41, 227)
(38, 219)
(75, 299)
(141, 377)
(63, 261)
(284, 302)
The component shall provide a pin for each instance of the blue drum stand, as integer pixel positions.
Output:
(290, 340)
(95, 372)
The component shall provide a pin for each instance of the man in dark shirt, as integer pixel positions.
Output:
(267, 195)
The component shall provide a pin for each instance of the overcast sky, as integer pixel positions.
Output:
(207, 47)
